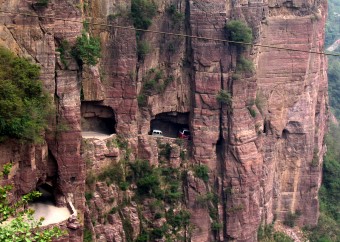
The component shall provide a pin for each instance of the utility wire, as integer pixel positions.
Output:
(175, 34)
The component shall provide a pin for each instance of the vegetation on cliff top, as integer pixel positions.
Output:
(24, 106)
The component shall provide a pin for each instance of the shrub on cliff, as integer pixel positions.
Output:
(24, 106)
(87, 49)
(176, 16)
(202, 171)
(64, 50)
(154, 82)
(224, 97)
(244, 66)
(146, 177)
(238, 31)
(142, 12)
(143, 48)
(268, 234)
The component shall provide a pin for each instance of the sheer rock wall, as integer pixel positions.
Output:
(261, 166)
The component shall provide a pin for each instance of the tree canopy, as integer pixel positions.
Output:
(24, 106)
(239, 31)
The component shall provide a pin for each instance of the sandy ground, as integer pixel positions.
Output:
(51, 213)
(94, 135)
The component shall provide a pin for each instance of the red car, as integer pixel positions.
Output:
(184, 134)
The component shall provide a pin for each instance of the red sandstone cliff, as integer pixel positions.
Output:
(261, 167)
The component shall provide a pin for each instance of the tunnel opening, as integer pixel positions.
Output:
(97, 118)
(170, 123)
(47, 193)
(51, 205)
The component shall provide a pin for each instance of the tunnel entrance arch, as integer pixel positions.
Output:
(97, 118)
(47, 193)
(170, 123)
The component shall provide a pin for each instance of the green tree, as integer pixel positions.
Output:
(24, 106)
(142, 12)
(239, 31)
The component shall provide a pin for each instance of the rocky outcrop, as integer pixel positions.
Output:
(58, 160)
(263, 150)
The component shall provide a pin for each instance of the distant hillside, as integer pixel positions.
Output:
(329, 221)
(333, 22)
(332, 35)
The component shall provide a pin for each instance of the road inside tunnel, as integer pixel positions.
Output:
(170, 123)
(44, 206)
(51, 213)
(169, 129)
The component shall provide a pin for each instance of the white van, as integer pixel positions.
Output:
(156, 132)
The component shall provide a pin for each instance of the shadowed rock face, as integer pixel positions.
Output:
(261, 166)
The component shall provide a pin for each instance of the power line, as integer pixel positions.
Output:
(175, 34)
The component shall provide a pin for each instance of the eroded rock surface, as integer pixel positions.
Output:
(263, 151)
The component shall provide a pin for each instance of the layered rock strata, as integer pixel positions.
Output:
(263, 151)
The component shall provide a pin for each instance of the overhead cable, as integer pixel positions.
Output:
(175, 34)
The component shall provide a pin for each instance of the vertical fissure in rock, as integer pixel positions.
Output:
(221, 151)
(191, 74)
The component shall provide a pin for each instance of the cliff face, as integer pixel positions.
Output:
(264, 150)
